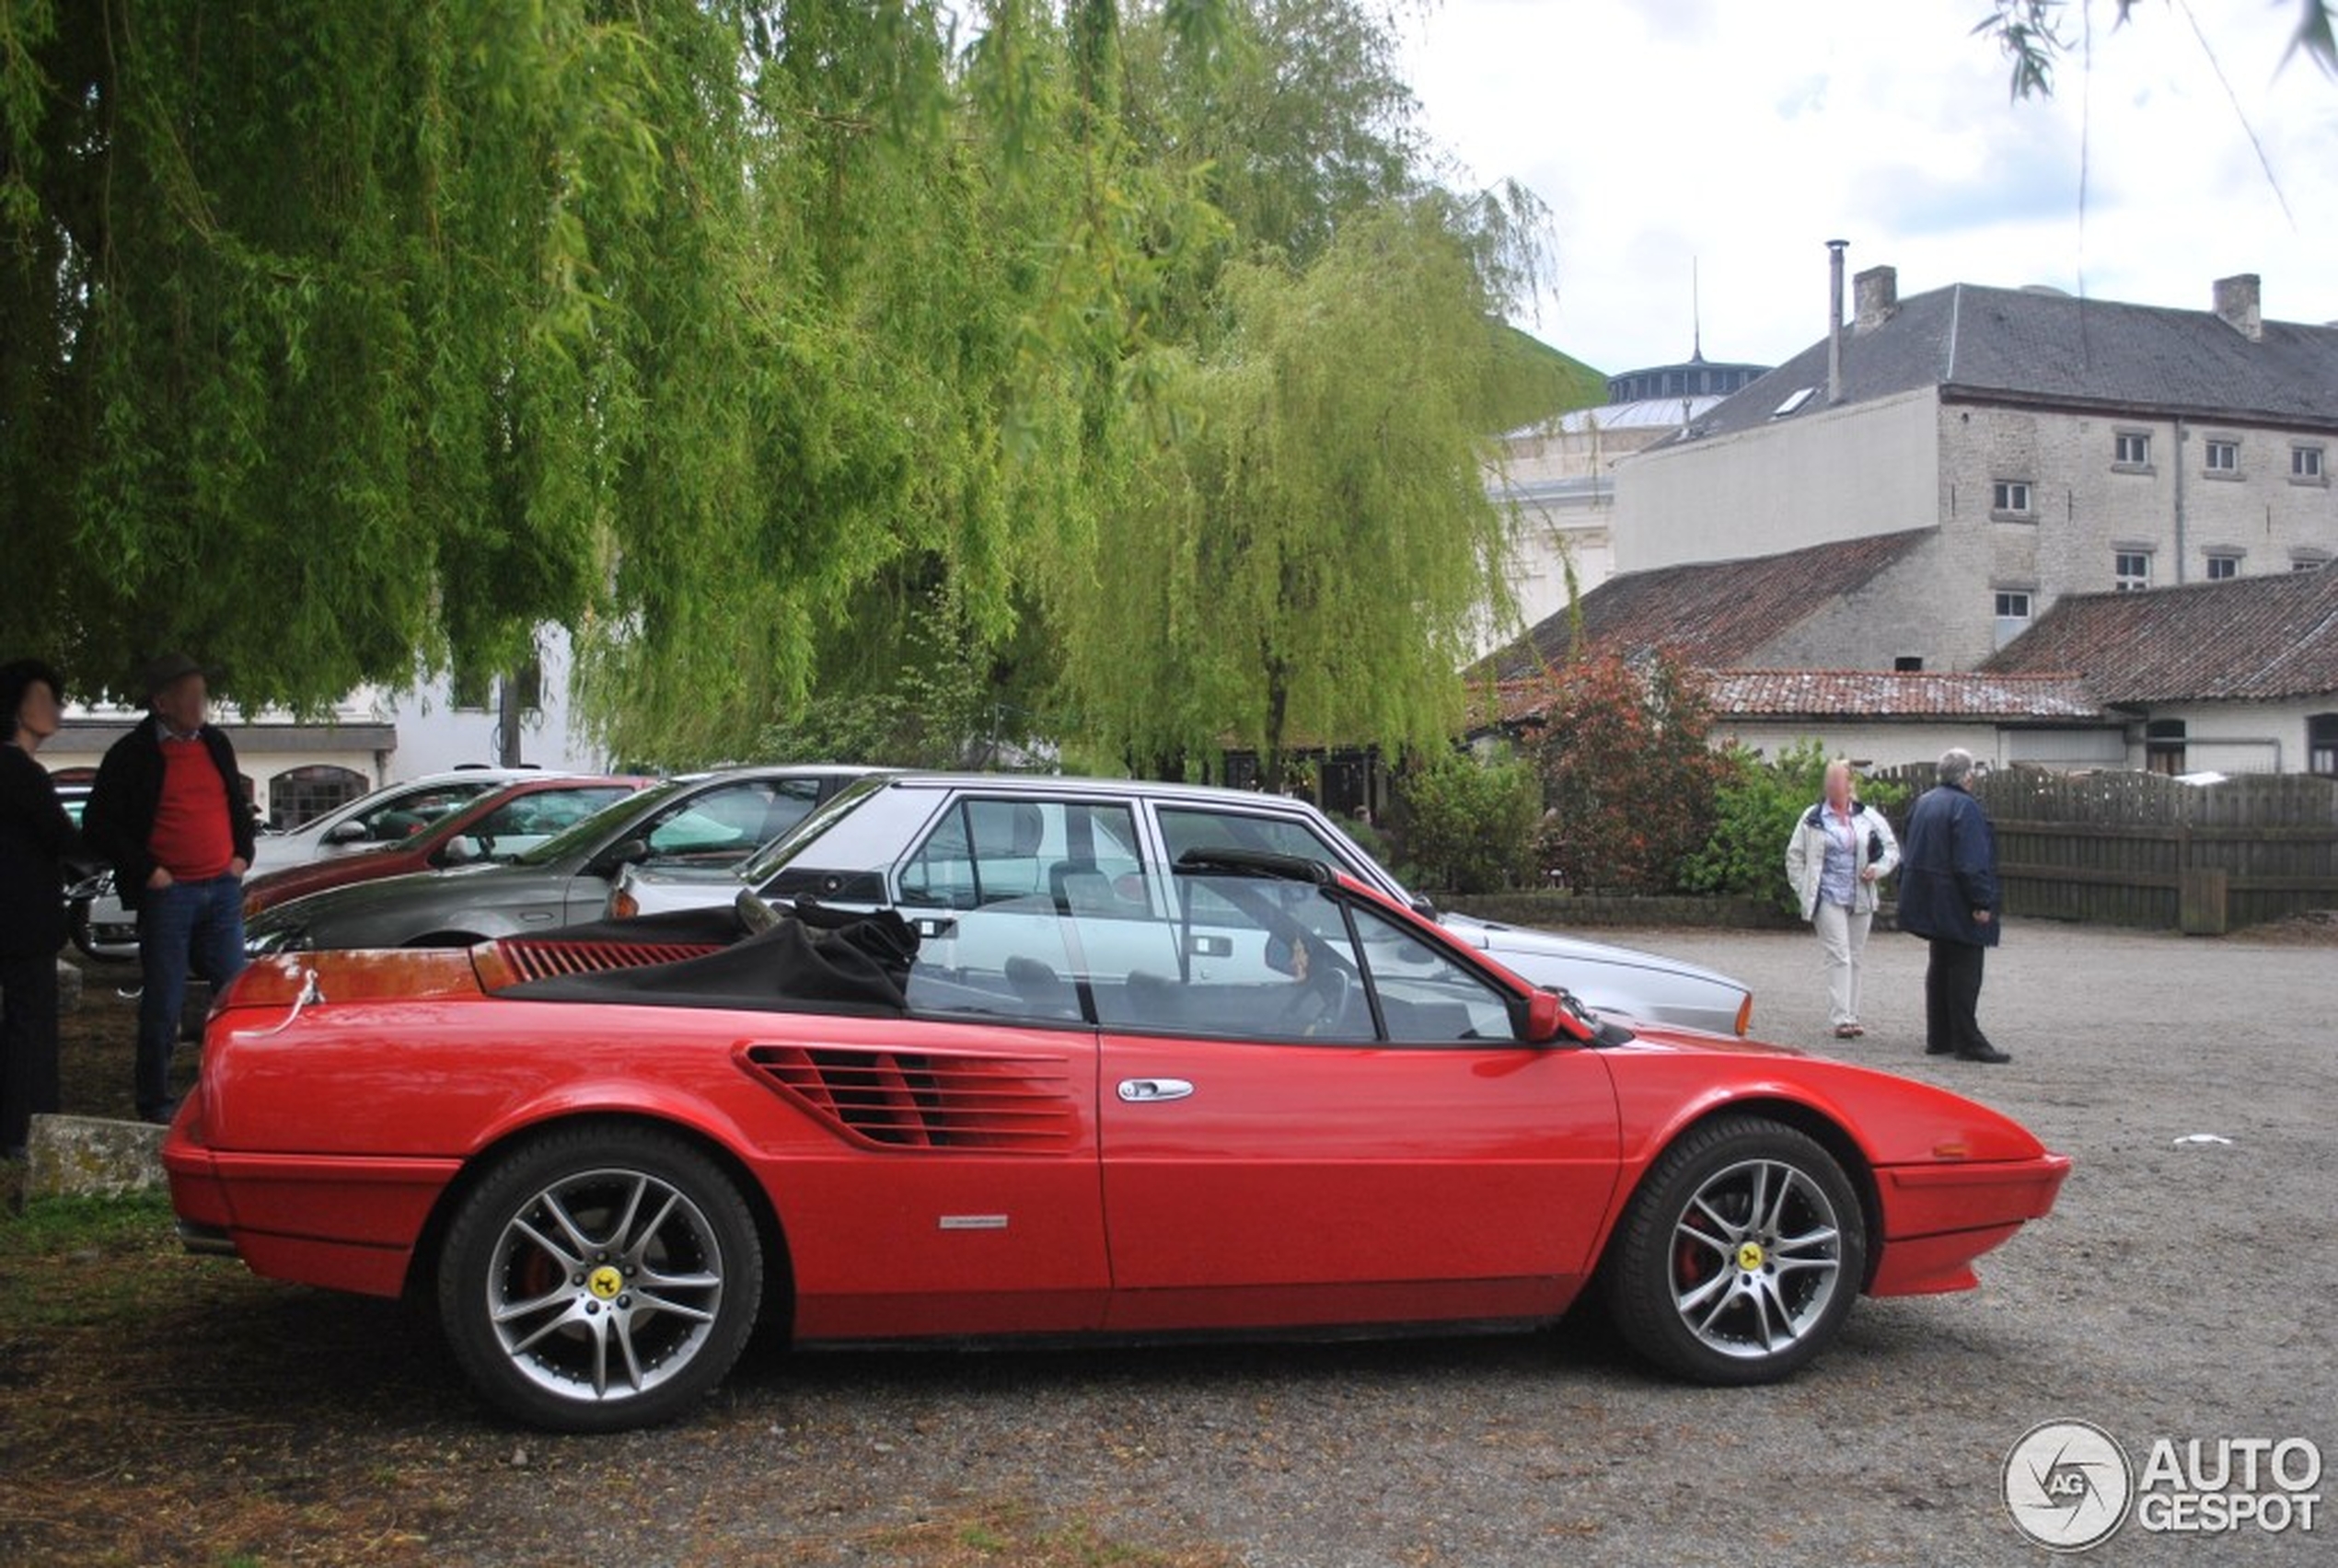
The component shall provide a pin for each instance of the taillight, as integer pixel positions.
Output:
(1746, 1016)
(623, 905)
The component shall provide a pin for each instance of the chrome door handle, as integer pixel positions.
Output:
(1145, 1091)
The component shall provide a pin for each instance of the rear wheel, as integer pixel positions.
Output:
(599, 1279)
(1739, 1256)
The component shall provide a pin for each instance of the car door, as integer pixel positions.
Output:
(1392, 1154)
(961, 1197)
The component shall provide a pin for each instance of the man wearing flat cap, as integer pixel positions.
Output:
(167, 809)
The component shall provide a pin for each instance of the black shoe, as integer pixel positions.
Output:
(1936, 1051)
(1983, 1053)
(159, 1115)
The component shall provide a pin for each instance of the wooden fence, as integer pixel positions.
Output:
(2141, 849)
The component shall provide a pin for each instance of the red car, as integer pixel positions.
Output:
(493, 826)
(1245, 1095)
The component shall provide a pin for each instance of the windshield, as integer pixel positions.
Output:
(594, 829)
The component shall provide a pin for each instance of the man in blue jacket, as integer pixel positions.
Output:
(1949, 896)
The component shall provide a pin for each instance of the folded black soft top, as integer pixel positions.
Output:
(812, 960)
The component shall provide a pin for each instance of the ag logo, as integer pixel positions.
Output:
(2067, 1484)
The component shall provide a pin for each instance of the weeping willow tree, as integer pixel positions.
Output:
(771, 348)
(1305, 565)
(1298, 554)
(337, 334)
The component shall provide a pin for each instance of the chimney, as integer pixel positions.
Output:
(1835, 249)
(2237, 306)
(1875, 297)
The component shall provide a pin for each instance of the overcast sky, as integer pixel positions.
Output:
(1742, 136)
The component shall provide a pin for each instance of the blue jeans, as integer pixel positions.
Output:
(187, 925)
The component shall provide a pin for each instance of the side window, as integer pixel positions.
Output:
(1426, 997)
(1076, 855)
(1006, 959)
(518, 825)
(1186, 827)
(416, 809)
(1255, 958)
(725, 822)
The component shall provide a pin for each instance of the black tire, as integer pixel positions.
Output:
(1740, 1255)
(600, 1278)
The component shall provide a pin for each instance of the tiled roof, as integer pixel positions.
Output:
(2044, 346)
(1873, 696)
(2246, 638)
(1712, 615)
(1888, 694)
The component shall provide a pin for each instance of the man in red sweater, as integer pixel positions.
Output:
(167, 809)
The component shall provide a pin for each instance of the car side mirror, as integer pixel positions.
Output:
(350, 832)
(461, 850)
(1552, 1018)
(624, 852)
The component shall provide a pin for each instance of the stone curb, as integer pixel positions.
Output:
(91, 1157)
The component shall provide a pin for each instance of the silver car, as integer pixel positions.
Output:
(386, 816)
(931, 844)
(711, 820)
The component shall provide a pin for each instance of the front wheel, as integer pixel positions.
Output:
(1739, 1256)
(600, 1279)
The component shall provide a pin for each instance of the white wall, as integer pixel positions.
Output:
(1819, 475)
(433, 735)
(1879, 744)
(2242, 737)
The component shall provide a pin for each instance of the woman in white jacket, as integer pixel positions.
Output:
(1840, 850)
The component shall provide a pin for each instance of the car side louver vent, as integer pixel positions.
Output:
(925, 1100)
(544, 960)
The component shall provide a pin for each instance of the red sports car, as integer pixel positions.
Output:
(1247, 1095)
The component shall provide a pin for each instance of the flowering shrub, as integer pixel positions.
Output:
(1627, 777)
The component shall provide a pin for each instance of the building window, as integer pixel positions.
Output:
(2132, 449)
(2224, 458)
(1909, 665)
(2130, 570)
(2304, 465)
(301, 795)
(2163, 745)
(2322, 744)
(472, 690)
(2222, 565)
(2013, 614)
(2307, 561)
(2010, 496)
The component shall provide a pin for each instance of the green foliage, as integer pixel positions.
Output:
(1755, 810)
(940, 708)
(1469, 827)
(1534, 383)
(343, 341)
(1307, 562)
(1627, 775)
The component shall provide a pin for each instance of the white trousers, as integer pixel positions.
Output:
(1842, 938)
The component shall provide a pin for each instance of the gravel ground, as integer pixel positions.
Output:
(2181, 1290)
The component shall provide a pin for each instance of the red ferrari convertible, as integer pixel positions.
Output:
(1247, 1096)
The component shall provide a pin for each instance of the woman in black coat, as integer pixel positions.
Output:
(35, 838)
